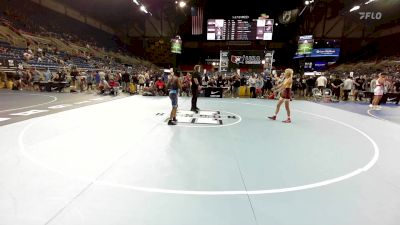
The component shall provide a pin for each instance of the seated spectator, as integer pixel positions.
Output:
(28, 55)
(271, 95)
(104, 86)
(160, 86)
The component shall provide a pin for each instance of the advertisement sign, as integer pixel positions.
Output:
(213, 92)
(325, 52)
(320, 66)
(246, 59)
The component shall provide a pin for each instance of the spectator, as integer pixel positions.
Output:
(125, 81)
(236, 86)
(358, 88)
(347, 86)
(321, 82)
(252, 85)
(310, 83)
(336, 83)
(160, 86)
(259, 85)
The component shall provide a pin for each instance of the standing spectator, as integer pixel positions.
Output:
(47, 75)
(97, 79)
(236, 86)
(259, 86)
(358, 88)
(125, 82)
(74, 74)
(372, 85)
(302, 87)
(252, 85)
(310, 82)
(322, 82)
(89, 81)
(36, 80)
(336, 83)
(267, 84)
(347, 86)
(186, 85)
(142, 80)
(220, 81)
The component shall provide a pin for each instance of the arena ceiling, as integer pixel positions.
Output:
(117, 13)
(122, 14)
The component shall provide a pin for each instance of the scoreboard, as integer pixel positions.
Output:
(240, 28)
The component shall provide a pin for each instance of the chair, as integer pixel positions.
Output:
(327, 95)
(317, 94)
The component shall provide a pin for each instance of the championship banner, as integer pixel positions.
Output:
(289, 16)
(269, 59)
(223, 61)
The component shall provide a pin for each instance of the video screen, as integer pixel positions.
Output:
(305, 45)
(240, 29)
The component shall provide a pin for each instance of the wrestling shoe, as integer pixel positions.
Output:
(287, 121)
(272, 117)
(170, 122)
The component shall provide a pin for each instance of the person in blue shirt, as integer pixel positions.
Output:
(97, 79)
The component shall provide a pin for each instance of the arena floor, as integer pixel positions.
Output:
(117, 162)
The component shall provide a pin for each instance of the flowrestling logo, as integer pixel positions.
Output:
(246, 59)
(370, 15)
(237, 59)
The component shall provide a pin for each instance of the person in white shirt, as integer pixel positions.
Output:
(47, 75)
(259, 86)
(252, 85)
(373, 84)
(321, 82)
(347, 86)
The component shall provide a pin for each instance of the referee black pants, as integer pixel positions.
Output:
(195, 93)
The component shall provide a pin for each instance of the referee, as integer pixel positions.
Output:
(196, 78)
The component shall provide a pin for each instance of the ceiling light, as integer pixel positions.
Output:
(369, 1)
(143, 8)
(307, 2)
(182, 4)
(355, 8)
(136, 2)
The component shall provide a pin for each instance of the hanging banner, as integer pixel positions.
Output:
(223, 61)
(269, 59)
